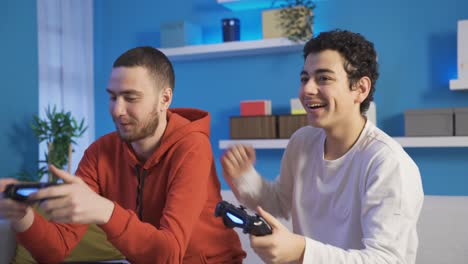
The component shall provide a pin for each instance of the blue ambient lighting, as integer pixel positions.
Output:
(240, 5)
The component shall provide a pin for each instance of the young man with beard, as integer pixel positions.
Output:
(151, 186)
(353, 193)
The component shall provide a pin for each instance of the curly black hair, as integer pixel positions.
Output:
(360, 57)
(153, 60)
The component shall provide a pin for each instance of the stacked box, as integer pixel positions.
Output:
(271, 27)
(180, 33)
(253, 127)
(461, 121)
(296, 107)
(429, 122)
(255, 107)
(288, 124)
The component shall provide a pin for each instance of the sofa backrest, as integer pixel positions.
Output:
(443, 230)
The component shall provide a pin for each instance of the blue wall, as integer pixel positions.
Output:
(416, 42)
(19, 86)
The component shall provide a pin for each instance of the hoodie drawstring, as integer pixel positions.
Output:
(141, 185)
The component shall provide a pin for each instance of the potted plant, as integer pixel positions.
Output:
(296, 18)
(58, 129)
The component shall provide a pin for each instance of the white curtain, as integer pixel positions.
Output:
(65, 47)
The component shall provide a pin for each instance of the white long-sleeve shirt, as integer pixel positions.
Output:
(360, 208)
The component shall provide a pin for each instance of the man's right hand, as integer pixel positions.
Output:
(237, 160)
(19, 214)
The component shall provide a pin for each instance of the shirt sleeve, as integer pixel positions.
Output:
(252, 190)
(390, 206)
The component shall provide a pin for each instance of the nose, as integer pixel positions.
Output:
(117, 107)
(310, 87)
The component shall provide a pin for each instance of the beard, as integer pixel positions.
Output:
(140, 130)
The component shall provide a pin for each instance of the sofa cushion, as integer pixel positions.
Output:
(443, 231)
(92, 247)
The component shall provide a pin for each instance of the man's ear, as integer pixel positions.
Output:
(362, 87)
(166, 98)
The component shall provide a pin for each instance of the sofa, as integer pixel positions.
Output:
(442, 227)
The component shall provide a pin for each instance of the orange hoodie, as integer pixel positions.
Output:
(164, 208)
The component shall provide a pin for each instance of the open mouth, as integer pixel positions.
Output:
(316, 106)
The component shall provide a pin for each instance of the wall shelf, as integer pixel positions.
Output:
(458, 85)
(407, 142)
(234, 48)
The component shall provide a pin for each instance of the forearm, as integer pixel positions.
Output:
(49, 242)
(25, 223)
(140, 241)
(252, 190)
(320, 253)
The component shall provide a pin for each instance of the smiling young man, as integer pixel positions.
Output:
(353, 193)
(151, 185)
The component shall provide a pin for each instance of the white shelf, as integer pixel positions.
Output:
(233, 48)
(458, 85)
(407, 142)
(432, 142)
(256, 143)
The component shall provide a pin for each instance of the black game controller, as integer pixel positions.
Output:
(238, 217)
(20, 192)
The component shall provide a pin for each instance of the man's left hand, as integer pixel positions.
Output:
(281, 246)
(73, 202)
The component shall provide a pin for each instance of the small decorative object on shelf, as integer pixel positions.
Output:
(288, 124)
(258, 127)
(429, 122)
(231, 29)
(461, 121)
(296, 107)
(255, 107)
(180, 33)
(293, 20)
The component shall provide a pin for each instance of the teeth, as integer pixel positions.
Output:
(315, 105)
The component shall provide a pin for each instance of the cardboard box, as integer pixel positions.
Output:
(271, 27)
(429, 122)
(255, 107)
(461, 121)
(253, 127)
(288, 124)
(180, 33)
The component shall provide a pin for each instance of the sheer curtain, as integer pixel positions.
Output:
(65, 47)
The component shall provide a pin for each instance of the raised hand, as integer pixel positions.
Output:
(73, 202)
(237, 160)
(281, 246)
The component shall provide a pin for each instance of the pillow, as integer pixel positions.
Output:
(93, 246)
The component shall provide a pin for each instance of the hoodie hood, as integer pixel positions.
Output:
(180, 122)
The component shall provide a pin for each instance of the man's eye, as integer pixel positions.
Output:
(112, 98)
(130, 99)
(304, 79)
(323, 78)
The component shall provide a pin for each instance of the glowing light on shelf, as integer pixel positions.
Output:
(239, 5)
